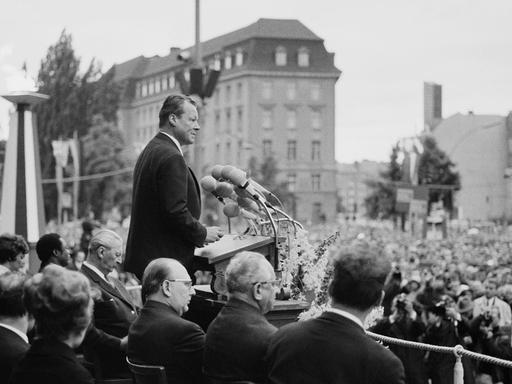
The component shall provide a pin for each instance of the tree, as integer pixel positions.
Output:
(266, 174)
(434, 168)
(74, 99)
(104, 151)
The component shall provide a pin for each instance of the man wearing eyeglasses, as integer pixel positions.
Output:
(238, 337)
(114, 310)
(160, 336)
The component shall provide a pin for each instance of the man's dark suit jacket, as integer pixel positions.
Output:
(330, 349)
(114, 312)
(12, 349)
(236, 342)
(160, 337)
(50, 361)
(166, 206)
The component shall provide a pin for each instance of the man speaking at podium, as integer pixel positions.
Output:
(166, 200)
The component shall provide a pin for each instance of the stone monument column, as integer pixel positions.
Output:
(22, 209)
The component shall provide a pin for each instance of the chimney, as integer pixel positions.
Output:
(432, 105)
(174, 52)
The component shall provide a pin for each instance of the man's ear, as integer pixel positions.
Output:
(100, 251)
(172, 119)
(256, 291)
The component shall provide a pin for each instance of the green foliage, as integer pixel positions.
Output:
(103, 151)
(434, 167)
(74, 99)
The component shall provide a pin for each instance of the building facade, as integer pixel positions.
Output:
(481, 148)
(275, 98)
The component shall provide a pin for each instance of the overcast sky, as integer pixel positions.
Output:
(386, 49)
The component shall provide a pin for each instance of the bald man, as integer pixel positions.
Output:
(160, 336)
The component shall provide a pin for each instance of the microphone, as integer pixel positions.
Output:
(216, 171)
(224, 189)
(239, 178)
(233, 210)
(226, 170)
(247, 204)
(209, 184)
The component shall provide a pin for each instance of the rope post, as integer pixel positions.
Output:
(458, 370)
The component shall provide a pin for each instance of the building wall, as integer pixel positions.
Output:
(477, 144)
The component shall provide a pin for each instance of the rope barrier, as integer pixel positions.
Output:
(458, 351)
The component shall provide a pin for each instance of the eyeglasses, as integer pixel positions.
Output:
(274, 283)
(186, 282)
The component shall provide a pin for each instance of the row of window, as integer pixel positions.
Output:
(291, 179)
(281, 57)
(227, 94)
(267, 119)
(267, 90)
(291, 149)
(228, 120)
(157, 84)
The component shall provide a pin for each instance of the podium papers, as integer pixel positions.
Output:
(220, 252)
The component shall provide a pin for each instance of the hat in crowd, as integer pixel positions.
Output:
(462, 288)
(464, 305)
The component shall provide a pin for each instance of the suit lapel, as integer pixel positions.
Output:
(104, 285)
(196, 184)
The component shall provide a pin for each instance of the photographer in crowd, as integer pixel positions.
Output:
(404, 323)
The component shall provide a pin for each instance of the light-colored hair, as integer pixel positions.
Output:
(243, 269)
(60, 301)
(103, 238)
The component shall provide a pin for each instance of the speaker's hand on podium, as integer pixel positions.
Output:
(213, 234)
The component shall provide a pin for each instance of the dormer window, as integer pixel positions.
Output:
(228, 61)
(216, 64)
(239, 58)
(280, 56)
(303, 57)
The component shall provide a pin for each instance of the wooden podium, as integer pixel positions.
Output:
(219, 253)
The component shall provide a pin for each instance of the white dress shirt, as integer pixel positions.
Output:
(174, 141)
(346, 314)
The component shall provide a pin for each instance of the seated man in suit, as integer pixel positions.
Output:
(334, 347)
(52, 249)
(237, 339)
(114, 310)
(160, 336)
(14, 323)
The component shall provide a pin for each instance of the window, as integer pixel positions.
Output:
(217, 152)
(266, 90)
(228, 94)
(292, 150)
(315, 91)
(151, 88)
(239, 58)
(227, 155)
(216, 125)
(144, 91)
(291, 119)
(138, 89)
(266, 119)
(280, 56)
(315, 150)
(228, 61)
(164, 83)
(315, 182)
(315, 119)
(157, 85)
(303, 57)
(292, 182)
(239, 152)
(172, 81)
(240, 120)
(239, 92)
(216, 96)
(228, 120)
(291, 91)
(216, 63)
(267, 148)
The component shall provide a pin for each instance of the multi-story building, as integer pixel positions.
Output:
(275, 97)
(352, 184)
(481, 148)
